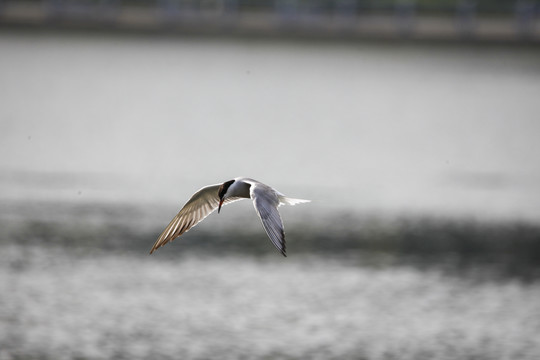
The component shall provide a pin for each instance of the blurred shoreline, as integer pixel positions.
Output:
(389, 25)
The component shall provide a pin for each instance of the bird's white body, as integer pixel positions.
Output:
(266, 200)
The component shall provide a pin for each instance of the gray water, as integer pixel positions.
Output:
(414, 129)
(55, 305)
(102, 138)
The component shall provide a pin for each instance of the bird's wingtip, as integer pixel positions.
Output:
(155, 247)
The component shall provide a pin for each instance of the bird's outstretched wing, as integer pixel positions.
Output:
(201, 204)
(266, 202)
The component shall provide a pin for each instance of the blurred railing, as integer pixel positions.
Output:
(480, 19)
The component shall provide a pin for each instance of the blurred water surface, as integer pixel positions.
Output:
(416, 150)
(56, 304)
(402, 128)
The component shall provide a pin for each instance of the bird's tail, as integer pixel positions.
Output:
(283, 200)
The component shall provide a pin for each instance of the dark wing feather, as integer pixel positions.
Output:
(266, 202)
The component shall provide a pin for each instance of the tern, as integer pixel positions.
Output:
(266, 201)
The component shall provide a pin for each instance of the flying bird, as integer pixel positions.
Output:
(266, 201)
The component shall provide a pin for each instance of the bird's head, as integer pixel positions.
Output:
(223, 193)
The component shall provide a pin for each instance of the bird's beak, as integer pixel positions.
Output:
(220, 203)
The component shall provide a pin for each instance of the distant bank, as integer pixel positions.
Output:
(396, 23)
